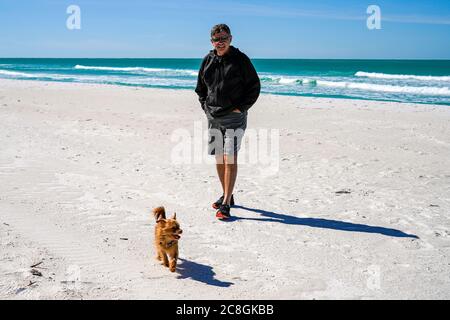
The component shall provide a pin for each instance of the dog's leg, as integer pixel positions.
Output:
(161, 256)
(173, 261)
(159, 253)
(165, 260)
(173, 264)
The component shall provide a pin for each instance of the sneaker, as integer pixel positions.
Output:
(224, 212)
(217, 204)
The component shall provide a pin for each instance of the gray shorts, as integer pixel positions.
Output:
(225, 133)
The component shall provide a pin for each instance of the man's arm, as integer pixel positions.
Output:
(252, 85)
(201, 89)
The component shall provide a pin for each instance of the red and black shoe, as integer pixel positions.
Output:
(217, 204)
(224, 212)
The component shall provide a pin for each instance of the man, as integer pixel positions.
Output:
(227, 86)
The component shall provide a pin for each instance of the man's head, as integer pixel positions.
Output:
(221, 38)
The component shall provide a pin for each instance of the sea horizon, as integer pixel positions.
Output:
(252, 58)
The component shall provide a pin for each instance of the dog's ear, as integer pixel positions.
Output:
(174, 216)
(159, 213)
(161, 220)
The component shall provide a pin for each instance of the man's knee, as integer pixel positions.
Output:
(230, 159)
(220, 158)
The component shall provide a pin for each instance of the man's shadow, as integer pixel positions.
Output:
(199, 272)
(322, 223)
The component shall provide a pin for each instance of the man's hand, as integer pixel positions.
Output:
(237, 110)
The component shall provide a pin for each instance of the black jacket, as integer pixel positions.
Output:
(227, 82)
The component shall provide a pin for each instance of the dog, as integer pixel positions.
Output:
(167, 234)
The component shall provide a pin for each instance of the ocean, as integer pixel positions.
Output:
(418, 81)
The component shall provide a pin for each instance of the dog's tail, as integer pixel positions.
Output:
(159, 213)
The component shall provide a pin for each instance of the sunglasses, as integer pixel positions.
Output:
(220, 39)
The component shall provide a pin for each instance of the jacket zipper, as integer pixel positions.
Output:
(217, 80)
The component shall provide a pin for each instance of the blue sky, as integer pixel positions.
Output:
(411, 29)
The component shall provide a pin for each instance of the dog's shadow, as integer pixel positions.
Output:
(270, 216)
(199, 272)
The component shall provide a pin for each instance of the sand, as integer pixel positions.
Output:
(357, 206)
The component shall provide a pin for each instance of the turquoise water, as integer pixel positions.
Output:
(420, 81)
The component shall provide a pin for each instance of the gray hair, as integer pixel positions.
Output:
(219, 28)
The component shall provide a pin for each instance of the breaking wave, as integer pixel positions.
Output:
(375, 75)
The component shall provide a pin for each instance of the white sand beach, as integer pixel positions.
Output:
(358, 208)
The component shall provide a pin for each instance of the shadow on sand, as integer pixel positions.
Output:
(322, 223)
(199, 272)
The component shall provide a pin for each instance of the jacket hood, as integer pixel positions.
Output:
(232, 52)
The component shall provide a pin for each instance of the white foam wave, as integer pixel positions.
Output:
(287, 80)
(118, 68)
(432, 91)
(109, 79)
(375, 75)
(308, 81)
(16, 74)
(139, 69)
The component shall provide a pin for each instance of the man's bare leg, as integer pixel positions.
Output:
(230, 174)
(220, 166)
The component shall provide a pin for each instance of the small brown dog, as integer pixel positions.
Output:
(167, 234)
